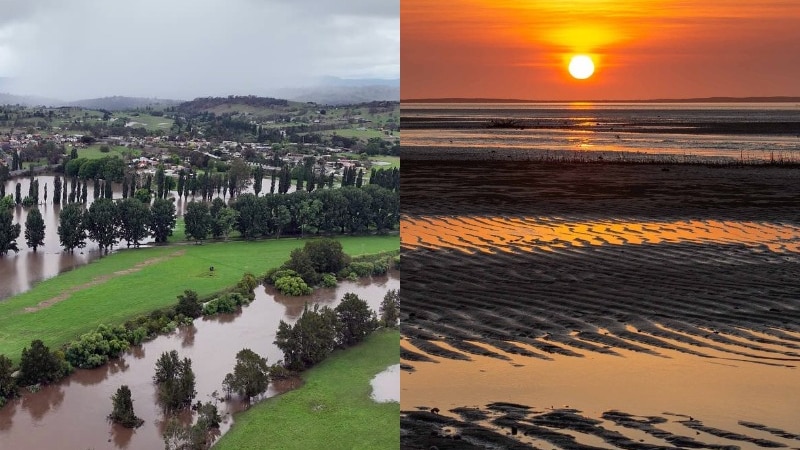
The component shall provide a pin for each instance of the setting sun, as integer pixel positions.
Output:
(581, 67)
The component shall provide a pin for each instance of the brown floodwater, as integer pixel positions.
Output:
(20, 271)
(386, 385)
(72, 414)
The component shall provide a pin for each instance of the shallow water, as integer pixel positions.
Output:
(719, 393)
(386, 385)
(73, 412)
(20, 271)
(665, 291)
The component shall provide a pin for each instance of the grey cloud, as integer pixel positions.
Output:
(189, 48)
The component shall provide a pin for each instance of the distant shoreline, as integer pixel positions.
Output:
(775, 99)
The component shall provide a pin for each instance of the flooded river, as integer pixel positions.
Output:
(72, 414)
(19, 271)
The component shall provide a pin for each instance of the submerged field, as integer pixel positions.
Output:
(131, 282)
(599, 305)
(332, 410)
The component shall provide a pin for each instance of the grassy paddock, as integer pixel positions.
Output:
(132, 282)
(93, 151)
(333, 410)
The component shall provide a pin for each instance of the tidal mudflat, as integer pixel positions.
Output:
(597, 304)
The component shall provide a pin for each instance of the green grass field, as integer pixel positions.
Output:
(333, 410)
(93, 151)
(149, 122)
(356, 133)
(132, 282)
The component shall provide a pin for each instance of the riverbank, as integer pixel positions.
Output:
(133, 282)
(333, 409)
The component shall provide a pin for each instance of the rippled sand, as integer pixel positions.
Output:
(619, 306)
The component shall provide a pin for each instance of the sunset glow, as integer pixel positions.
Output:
(646, 49)
(581, 67)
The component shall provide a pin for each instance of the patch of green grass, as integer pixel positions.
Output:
(93, 151)
(356, 133)
(132, 282)
(333, 410)
(149, 122)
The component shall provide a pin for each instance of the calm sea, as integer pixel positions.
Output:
(750, 131)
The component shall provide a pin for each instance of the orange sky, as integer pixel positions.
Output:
(643, 49)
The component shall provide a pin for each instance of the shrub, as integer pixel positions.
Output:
(292, 285)
(280, 273)
(39, 365)
(381, 266)
(329, 280)
(362, 269)
(188, 304)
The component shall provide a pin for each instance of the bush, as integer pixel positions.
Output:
(39, 365)
(381, 266)
(274, 274)
(362, 269)
(329, 280)
(292, 285)
(188, 304)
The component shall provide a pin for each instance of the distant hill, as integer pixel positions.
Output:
(342, 95)
(26, 100)
(218, 105)
(119, 103)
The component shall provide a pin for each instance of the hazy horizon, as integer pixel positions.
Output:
(187, 49)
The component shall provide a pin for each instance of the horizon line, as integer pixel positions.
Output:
(714, 99)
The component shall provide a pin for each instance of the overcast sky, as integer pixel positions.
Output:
(72, 49)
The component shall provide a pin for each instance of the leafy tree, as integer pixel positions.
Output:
(250, 376)
(8, 385)
(71, 228)
(18, 194)
(9, 232)
(282, 218)
(143, 195)
(292, 285)
(162, 219)
(251, 215)
(301, 262)
(34, 229)
(356, 320)
(197, 220)
(189, 304)
(39, 365)
(258, 179)
(57, 190)
(123, 409)
(222, 224)
(134, 218)
(178, 436)
(390, 308)
(175, 380)
(239, 174)
(103, 223)
(326, 255)
(310, 340)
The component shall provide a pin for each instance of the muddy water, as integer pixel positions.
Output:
(19, 271)
(386, 385)
(72, 414)
(719, 393)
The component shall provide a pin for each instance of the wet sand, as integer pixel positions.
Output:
(615, 301)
